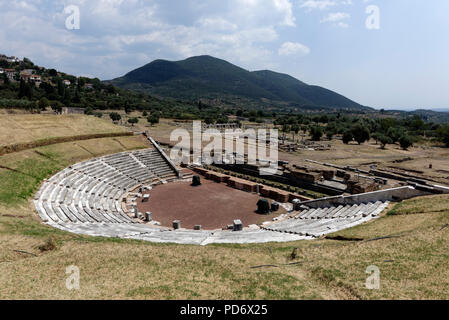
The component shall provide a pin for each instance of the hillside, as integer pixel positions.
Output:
(24, 85)
(209, 77)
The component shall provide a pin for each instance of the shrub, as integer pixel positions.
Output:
(49, 245)
(16, 103)
(133, 121)
(115, 116)
(89, 111)
(153, 119)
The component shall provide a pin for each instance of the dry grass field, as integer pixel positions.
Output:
(412, 259)
(412, 264)
(21, 128)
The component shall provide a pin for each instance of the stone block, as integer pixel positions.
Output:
(146, 198)
(296, 204)
(176, 224)
(294, 196)
(201, 171)
(238, 225)
(282, 196)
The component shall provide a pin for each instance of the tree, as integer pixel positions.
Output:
(5, 79)
(77, 98)
(67, 97)
(89, 111)
(81, 82)
(329, 134)
(128, 108)
(61, 89)
(360, 133)
(153, 119)
(111, 89)
(115, 116)
(324, 118)
(295, 129)
(316, 132)
(28, 63)
(405, 141)
(443, 134)
(57, 106)
(375, 136)
(331, 130)
(52, 73)
(394, 133)
(133, 121)
(25, 90)
(22, 89)
(417, 123)
(347, 137)
(285, 129)
(207, 120)
(384, 140)
(43, 103)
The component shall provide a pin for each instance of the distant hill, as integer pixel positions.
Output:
(432, 116)
(206, 77)
(441, 110)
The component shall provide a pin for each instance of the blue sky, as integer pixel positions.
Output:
(402, 65)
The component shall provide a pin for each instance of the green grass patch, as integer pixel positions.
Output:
(18, 185)
(428, 204)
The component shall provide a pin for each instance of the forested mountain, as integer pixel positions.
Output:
(206, 77)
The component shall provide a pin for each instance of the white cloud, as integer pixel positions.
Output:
(335, 17)
(342, 25)
(285, 7)
(293, 48)
(217, 23)
(318, 4)
(118, 35)
(322, 5)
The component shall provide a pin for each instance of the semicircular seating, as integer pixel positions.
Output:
(316, 222)
(91, 191)
(86, 198)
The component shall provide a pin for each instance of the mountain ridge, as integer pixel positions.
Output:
(209, 77)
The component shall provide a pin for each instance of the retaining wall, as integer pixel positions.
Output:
(164, 155)
(395, 194)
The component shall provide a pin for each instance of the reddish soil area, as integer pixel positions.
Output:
(211, 205)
